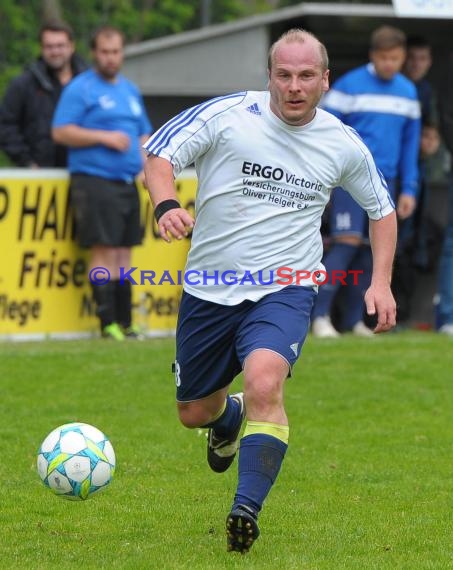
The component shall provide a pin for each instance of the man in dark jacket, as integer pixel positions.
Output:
(30, 100)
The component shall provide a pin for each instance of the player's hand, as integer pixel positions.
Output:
(117, 140)
(175, 223)
(406, 206)
(379, 300)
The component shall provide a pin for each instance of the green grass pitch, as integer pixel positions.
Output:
(367, 482)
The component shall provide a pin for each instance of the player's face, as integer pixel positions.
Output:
(388, 62)
(297, 81)
(417, 63)
(56, 49)
(108, 55)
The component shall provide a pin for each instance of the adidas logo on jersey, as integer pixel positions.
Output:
(294, 347)
(254, 109)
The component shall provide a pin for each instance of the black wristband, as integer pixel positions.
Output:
(165, 206)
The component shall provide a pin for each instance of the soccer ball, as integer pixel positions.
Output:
(76, 460)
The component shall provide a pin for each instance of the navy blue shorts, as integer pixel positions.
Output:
(213, 341)
(347, 217)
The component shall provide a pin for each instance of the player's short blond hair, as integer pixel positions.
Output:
(298, 35)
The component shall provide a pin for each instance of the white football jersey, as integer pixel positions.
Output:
(262, 188)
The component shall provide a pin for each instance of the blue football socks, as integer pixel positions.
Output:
(260, 458)
(228, 419)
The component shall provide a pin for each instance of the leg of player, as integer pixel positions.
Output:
(262, 447)
(199, 413)
(223, 416)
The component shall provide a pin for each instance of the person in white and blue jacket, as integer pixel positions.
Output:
(382, 106)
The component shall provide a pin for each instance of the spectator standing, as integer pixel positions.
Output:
(416, 68)
(102, 120)
(30, 100)
(412, 252)
(382, 106)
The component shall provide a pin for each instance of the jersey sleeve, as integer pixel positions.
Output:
(364, 181)
(181, 140)
(146, 126)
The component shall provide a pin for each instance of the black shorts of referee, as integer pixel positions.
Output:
(107, 212)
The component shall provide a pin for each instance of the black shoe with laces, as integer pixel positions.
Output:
(241, 529)
(222, 450)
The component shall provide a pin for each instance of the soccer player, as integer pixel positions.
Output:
(382, 106)
(266, 163)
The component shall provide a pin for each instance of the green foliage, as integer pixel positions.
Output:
(139, 19)
(366, 482)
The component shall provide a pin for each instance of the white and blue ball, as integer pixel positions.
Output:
(76, 460)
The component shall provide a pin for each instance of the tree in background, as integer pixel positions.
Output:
(139, 19)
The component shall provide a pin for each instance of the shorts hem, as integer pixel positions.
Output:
(202, 397)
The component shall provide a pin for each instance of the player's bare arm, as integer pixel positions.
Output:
(379, 298)
(172, 220)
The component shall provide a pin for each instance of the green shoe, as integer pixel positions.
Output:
(113, 331)
(133, 332)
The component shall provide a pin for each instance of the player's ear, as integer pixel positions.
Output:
(325, 81)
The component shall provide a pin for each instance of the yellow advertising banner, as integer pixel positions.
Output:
(45, 288)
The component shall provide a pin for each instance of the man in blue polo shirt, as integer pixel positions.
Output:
(102, 119)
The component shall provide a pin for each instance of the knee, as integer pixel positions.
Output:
(192, 415)
(264, 392)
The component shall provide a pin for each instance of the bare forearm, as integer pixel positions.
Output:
(159, 179)
(173, 221)
(383, 235)
(75, 136)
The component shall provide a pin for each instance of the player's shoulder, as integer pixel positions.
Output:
(218, 107)
(344, 137)
(406, 86)
(326, 119)
(224, 102)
